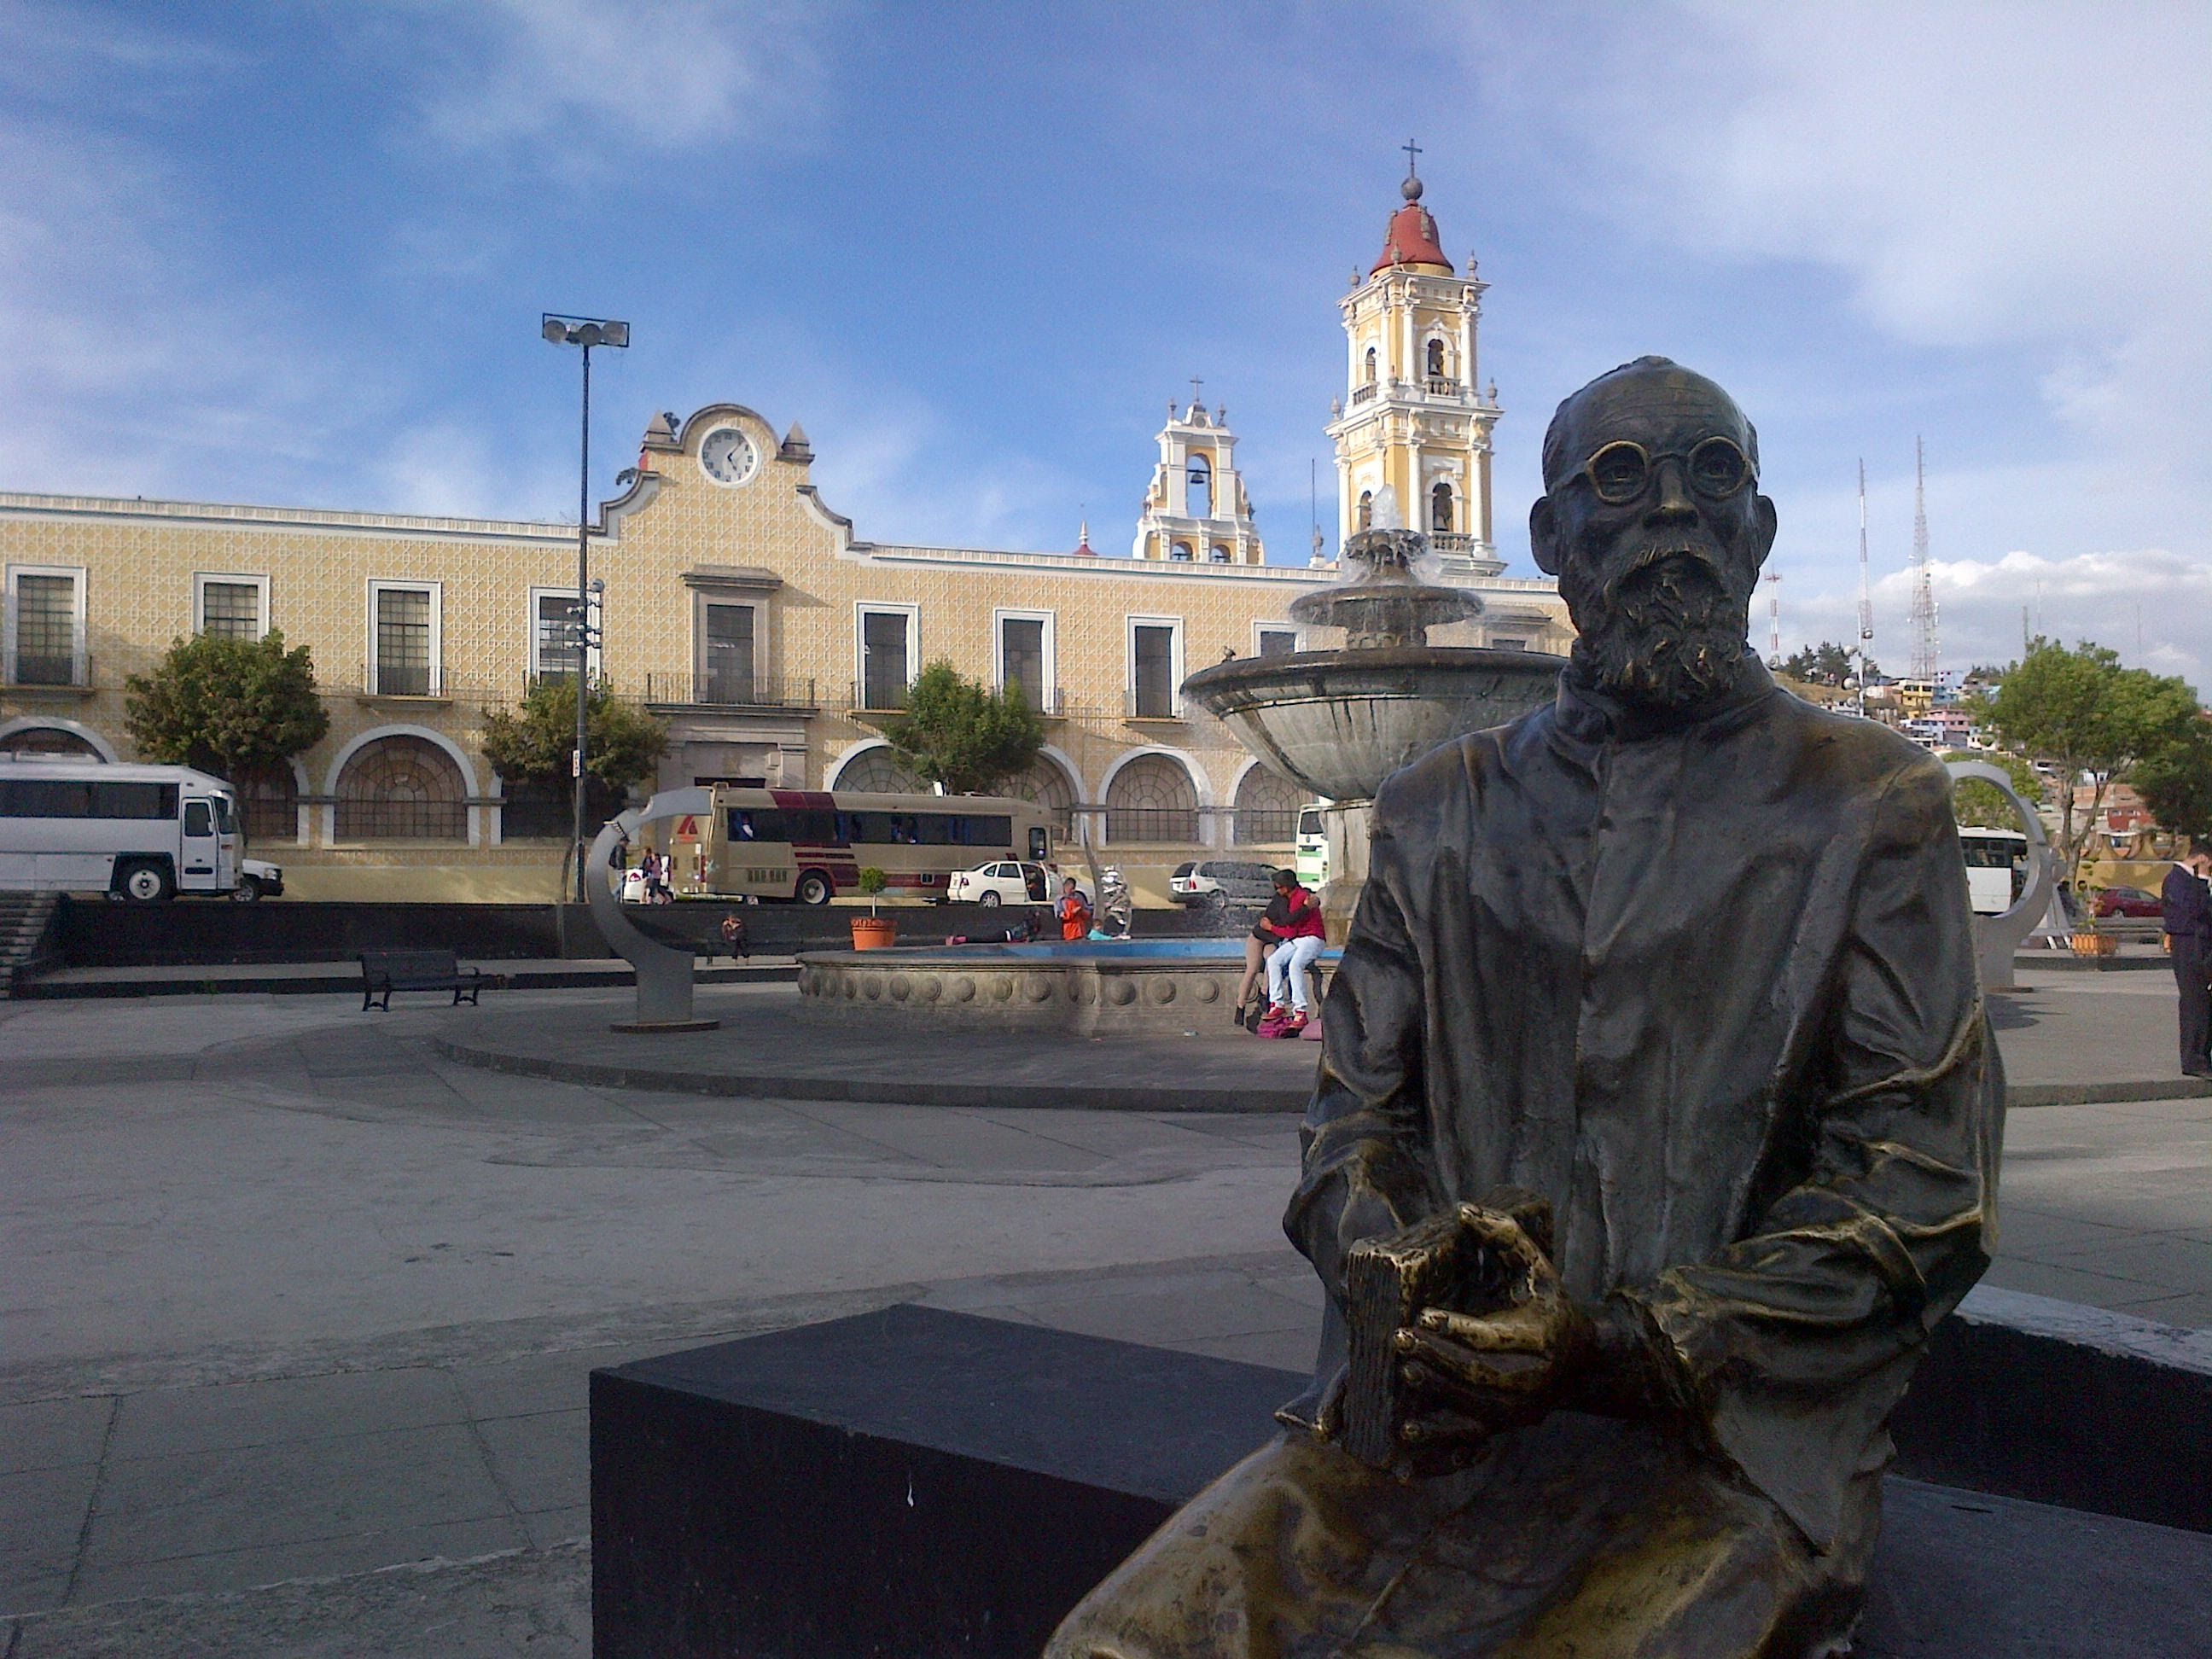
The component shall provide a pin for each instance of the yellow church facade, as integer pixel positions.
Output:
(738, 607)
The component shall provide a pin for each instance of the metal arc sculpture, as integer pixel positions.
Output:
(1996, 938)
(665, 973)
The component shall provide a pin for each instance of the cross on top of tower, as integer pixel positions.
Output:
(1195, 383)
(1412, 187)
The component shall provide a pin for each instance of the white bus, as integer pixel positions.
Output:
(1996, 868)
(1310, 850)
(144, 833)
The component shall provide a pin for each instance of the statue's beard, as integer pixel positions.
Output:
(1668, 634)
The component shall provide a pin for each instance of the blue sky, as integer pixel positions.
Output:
(295, 253)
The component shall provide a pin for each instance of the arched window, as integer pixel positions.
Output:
(1151, 799)
(1440, 508)
(1436, 359)
(1217, 554)
(1199, 494)
(1370, 365)
(1047, 783)
(1367, 509)
(57, 740)
(1180, 552)
(1266, 810)
(877, 771)
(402, 788)
(269, 802)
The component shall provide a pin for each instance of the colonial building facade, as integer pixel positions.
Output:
(738, 607)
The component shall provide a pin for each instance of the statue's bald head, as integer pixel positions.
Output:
(1652, 521)
(1650, 387)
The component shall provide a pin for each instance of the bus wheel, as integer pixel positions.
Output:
(813, 888)
(145, 884)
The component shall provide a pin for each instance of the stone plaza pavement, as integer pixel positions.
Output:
(298, 1312)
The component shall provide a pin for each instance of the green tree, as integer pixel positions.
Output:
(1984, 805)
(2081, 710)
(533, 741)
(961, 734)
(240, 709)
(2175, 781)
(1825, 663)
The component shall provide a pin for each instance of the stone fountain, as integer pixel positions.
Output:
(1336, 723)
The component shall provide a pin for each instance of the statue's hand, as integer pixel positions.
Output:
(1473, 1374)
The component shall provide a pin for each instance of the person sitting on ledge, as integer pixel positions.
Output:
(1073, 912)
(1657, 1027)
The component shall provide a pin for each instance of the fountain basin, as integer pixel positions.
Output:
(1338, 722)
(1092, 988)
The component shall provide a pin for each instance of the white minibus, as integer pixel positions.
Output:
(145, 833)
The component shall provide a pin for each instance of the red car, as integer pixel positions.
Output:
(2129, 902)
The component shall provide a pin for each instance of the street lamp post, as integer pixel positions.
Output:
(585, 332)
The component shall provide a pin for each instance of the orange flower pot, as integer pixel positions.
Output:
(874, 933)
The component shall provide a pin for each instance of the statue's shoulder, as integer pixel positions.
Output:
(1866, 757)
(1454, 772)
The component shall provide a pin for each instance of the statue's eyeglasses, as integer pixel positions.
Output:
(1622, 470)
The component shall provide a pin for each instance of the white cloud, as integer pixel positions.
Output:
(2153, 606)
(590, 79)
(132, 360)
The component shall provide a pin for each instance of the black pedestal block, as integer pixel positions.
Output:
(915, 1483)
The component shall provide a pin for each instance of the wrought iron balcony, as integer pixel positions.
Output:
(727, 690)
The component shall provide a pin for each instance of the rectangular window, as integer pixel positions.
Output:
(1154, 648)
(405, 633)
(1278, 642)
(134, 800)
(552, 634)
(729, 653)
(1022, 659)
(886, 657)
(45, 627)
(232, 607)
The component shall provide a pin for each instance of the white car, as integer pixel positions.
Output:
(1007, 881)
(257, 878)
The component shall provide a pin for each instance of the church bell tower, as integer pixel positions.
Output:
(1412, 418)
(1196, 510)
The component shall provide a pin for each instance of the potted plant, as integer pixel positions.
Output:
(2091, 941)
(873, 931)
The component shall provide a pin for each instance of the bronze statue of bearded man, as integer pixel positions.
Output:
(1656, 1127)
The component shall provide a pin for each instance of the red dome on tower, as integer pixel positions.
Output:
(1410, 239)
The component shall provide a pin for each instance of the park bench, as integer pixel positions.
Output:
(383, 972)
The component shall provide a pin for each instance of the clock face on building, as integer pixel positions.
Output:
(728, 456)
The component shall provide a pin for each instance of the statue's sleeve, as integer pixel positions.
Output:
(1790, 1347)
(1365, 1164)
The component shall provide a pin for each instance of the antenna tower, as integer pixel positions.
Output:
(1926, 647)
(1866, 592)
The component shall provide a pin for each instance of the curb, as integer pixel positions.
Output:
(1087, 1097)
(1093, 1097)
(348, 984)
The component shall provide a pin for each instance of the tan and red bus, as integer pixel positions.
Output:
(810, 845)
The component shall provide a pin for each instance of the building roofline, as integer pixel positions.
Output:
(139, 507)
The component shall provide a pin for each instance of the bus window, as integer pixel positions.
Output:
(226, 816)
(990, 831)
(812, 825)
(1040, 844)
(46, 798)
(198, 820)
(134, 800)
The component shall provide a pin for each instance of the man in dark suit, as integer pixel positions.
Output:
(2189, 936)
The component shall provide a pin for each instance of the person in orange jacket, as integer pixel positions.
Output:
(1073, 912)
